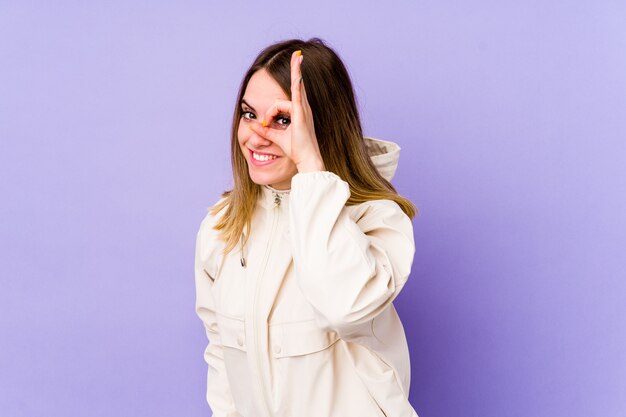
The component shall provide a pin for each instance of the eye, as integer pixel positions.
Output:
(248, 115)
(282, 121)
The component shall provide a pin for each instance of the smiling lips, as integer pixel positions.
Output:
(261, 159)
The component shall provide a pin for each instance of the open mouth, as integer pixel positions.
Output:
(262, 158)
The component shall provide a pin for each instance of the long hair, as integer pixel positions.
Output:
(337, 128)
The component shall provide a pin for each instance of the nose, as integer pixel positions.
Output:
(258, 140)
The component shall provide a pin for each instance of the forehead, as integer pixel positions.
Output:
(262, 90)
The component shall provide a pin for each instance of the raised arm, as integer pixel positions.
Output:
(349, 270)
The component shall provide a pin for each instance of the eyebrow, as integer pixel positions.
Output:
(243, 101)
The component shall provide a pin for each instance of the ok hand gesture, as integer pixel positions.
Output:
(298, 141)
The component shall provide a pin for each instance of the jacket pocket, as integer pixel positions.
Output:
(299, 338)
(232, 331)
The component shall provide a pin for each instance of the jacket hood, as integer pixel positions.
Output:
(385, 155)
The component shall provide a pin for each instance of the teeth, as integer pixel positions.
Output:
(262, 157)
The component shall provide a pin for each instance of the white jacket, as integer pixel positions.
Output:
(307, 327)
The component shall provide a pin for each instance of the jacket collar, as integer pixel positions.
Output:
(270, 196)
(383, 153)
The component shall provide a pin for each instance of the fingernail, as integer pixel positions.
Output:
(263, 122)
(298, 52)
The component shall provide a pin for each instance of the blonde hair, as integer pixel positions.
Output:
(337, 128)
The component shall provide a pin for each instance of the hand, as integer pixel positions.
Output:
(298, 141)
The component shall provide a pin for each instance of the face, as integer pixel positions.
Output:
(267, 164)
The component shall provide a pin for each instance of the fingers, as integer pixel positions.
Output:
(266, 132)
(301, 107)
(296, 77)
(279, 107)
(305, 100)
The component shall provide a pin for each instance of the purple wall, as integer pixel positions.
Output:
(114, 123)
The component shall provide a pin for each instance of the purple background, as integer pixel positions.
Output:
(114, 120)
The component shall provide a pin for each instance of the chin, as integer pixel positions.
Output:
(264, 179)
(268, 179)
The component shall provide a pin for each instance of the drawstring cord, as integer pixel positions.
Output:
(243, 259)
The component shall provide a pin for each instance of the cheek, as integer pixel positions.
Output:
(240, 137)
(243, 133)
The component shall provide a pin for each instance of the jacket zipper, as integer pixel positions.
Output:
(259, 357)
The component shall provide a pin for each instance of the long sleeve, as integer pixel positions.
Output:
(218, 393)
(349, 270)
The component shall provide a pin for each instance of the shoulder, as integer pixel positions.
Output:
(208, 244)
(388, 228)
(210, 219)
(374, 213)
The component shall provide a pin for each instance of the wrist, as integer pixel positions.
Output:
(310, 165)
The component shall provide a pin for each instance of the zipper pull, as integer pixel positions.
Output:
(277, 198)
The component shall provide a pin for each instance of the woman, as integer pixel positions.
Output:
(297, 266)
